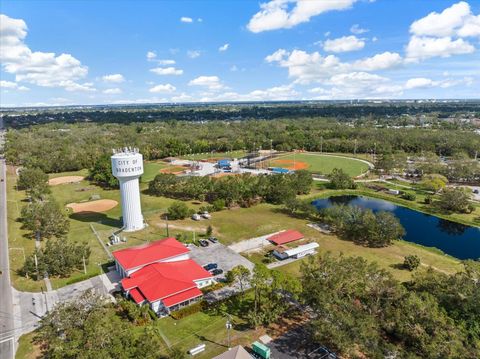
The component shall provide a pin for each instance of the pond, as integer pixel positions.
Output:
(455, 239)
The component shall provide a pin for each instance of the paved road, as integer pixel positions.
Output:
(7, 338)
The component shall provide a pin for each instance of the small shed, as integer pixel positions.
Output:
(224, 163)
(287, 236)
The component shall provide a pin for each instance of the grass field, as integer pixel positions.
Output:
(322, 164)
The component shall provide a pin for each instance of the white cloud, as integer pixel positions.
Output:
(40, 68)
(344, 44)
(357, 30)
(458, 20)
(277, 55)
(151, 55)
(223, 47)
(166, 88)
(278, 14)
(210, 82)
(74, 87)
(419, 82)
(166, 62)
(186, 19)
(381, 61)
(420, 48)
(193, 54)
(200, 19)
(114, 78)
(113, 91)
(12, 86)
(167, 71)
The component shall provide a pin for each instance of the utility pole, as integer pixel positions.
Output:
(84, 265)
(228, 325)
(355, 149)
(166, 220)
(36, 265)
(321, 144)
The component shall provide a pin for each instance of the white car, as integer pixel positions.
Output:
(206, 215)
(196, 217)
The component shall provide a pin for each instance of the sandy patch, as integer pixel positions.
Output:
(101, 205)
(65, 179)
(174, 170)
(290, 164)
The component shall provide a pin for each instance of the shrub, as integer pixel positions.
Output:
(178, 210)
(428, 200)
(408, 196)
(191, 309)
(411, 262)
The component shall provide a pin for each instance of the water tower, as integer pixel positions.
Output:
(127, 167)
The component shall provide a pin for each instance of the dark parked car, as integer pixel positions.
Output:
(213, 239)
(216, 271)
(210, 266)
(203, 243)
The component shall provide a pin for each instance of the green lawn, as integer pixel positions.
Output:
(324, 164)
(151, 169)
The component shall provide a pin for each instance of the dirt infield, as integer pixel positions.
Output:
(65, 179)
(174, 170)
(101, 205)
(289, 164)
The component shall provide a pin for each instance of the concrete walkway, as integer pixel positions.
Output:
(253, 244)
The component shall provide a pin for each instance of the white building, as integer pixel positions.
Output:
(298, 252)
(127, 167)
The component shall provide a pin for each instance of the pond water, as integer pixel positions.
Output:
(455, 239)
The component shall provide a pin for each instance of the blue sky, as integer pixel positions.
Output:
(96, 52)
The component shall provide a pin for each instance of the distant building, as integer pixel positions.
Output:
(162, 275)
(287, 236)
(298, 252)
(235, 353)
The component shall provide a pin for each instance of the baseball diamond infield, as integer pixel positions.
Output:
(101, 205)
(65, 179)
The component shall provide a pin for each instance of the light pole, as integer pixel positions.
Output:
(228, 325)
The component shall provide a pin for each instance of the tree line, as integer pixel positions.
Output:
(59, 147)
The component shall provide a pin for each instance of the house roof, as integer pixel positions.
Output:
(237, 352)
(182, 297)
(300, 249)
(165, 279)
(137, 296)
(287, 236)
(139, 256)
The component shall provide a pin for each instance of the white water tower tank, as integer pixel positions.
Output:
(127, 167)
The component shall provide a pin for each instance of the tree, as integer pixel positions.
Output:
(411, 262)
(385, 229)
(34, 181)
(45, 218)
(455, 200)
(341, 180)
(434, 182)
(240, 274)
(178, 210)
(209, 231)
(59, 257)
(101, 173)
(301, 181)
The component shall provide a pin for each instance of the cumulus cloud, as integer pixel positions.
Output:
(12, 86)
(285, 14)
(357, 30)
(186, 19)
(458, 20)
(442, 34)
(344, 44)
(423, 83)
(167, 71)
(193, 54)
(113, 91)
(165, 88)
(40, 68)
(224, 47)
(166, 62)
(151, 55)
(419, 82)
(113, 78)
(307, 67)
(424, 47)
(210, 82)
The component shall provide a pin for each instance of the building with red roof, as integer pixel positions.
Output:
(162, 275)
(287, 236)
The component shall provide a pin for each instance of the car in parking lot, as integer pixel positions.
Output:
(203, 242)
(213, 239)
(217, 271)
(196, 217)
(210, 266)
(206, 215)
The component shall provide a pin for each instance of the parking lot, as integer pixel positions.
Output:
(220, 254)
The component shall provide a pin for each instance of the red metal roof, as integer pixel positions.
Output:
(139, 256)
(287, 236)
(182, 297)
(164, 279)
(137, 296)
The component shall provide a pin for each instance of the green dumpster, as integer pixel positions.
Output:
(261, 350)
